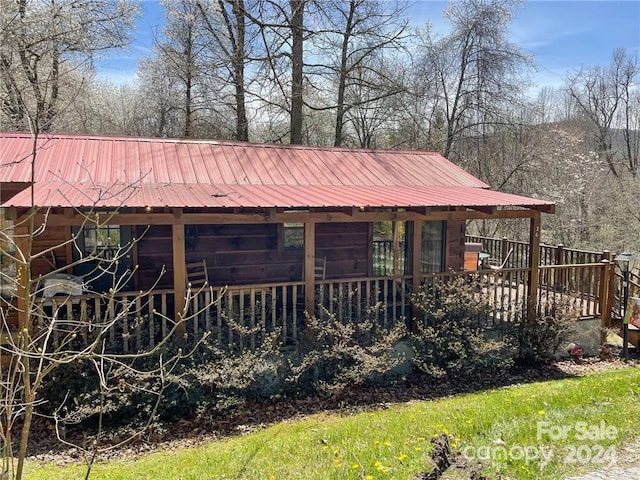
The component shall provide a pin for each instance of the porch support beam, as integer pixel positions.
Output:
(179, 275)
(22, 239)
(416, 254)
(270, 217)
(534, 263)
(309, 267)
(487, 210)
(395, 227)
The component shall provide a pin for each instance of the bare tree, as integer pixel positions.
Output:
(476, 70)
(350, 48)
(232, 36)
(280, 58)
(600, 94)
(42, 42)
(42, 333)
(179, 53)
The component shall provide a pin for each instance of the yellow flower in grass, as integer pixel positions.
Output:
(355, 466)
(380, 467)
(368, 477)
(541, 412)
(403, 457)
(387, 443)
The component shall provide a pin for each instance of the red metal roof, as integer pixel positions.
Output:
(114, 171)
(65, 194)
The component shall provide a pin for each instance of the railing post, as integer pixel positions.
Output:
(534, 263)
(22, 239)
(606, 299)
(416, 252)
(559, 274)
(504, 249)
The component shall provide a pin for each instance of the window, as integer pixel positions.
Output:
(389, 242)
(102, 241)
(433, 246)
(293, 236)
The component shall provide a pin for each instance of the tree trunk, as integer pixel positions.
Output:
(242, 124)
(342, 82)
(297, 40)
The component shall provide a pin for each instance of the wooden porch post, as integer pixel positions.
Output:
(416, 254)
(504, 249)
(396, 248)
(309, 267)
(179, 273)
(534, 262)
(605, 302)
(23, 275)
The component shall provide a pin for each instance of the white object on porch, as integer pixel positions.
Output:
(62, 284)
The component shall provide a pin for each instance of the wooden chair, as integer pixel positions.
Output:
(197, 276)
(320, 269)
(497, 265)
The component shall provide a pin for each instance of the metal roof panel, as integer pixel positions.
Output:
(78, 170)
(63, 194)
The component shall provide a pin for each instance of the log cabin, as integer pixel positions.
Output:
(275, 230)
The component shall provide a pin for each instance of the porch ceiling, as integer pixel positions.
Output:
(143, 194)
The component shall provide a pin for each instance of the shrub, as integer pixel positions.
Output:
(345, 354)
(455, 334)
(539, 337)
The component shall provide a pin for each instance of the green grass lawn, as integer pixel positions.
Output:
(394, 443)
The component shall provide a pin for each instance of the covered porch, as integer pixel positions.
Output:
(360, 272)
(281, 232)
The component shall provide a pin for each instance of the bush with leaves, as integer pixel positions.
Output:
(210, 379)
(217, 380)
(455, 334)
(344, 354)
(539, 336)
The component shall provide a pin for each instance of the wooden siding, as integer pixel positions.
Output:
(52, 236)
(252, 253)
(454, 251)
(154, 251)
(346, 246)
(246, 253)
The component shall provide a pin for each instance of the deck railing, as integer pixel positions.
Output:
(127, 321)
(518, 252)
(385, 299)
(617, 292)
(237, 317)
(505, 290)
(580, 285)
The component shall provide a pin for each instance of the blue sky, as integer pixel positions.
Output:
(561, 35)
